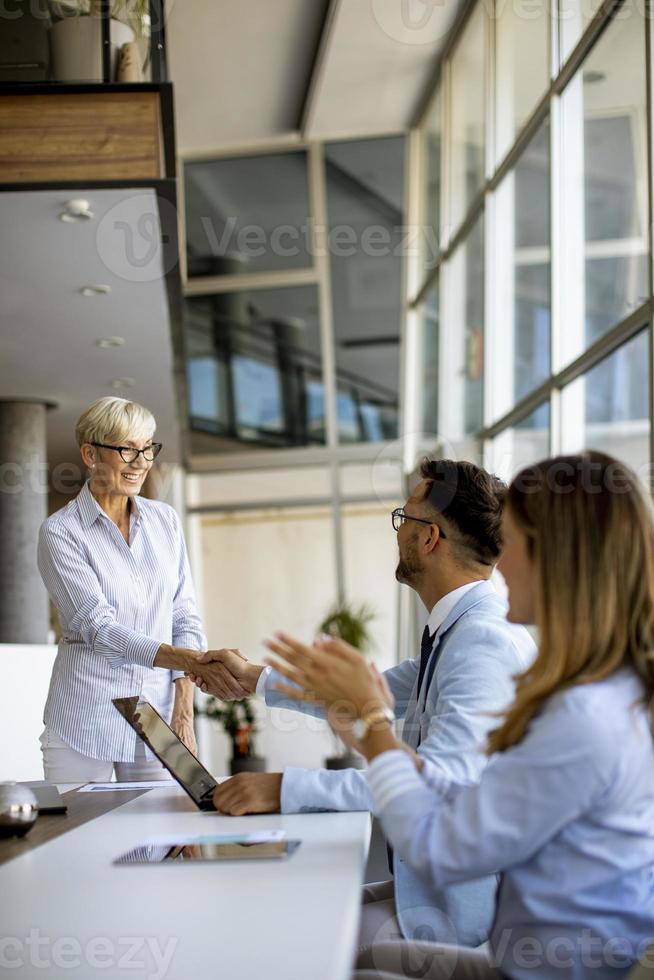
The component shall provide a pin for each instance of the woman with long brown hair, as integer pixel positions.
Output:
(564, 811)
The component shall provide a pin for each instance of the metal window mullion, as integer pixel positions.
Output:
(240, 281)
(320, 238)
(490, 47)
(446, 151)
(556, 422)
(410, 339)
(555, 38)
(489, 325)
(557, 301)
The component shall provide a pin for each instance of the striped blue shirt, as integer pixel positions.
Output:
(117, 604)
(567, 816)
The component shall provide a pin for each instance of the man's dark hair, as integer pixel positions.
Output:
(472, 501)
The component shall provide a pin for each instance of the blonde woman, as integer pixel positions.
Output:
(565, 808)
(116, 569)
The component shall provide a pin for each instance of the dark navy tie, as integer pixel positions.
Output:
(426, 646)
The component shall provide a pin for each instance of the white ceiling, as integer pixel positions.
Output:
(265, 70)
(49, 331)
(240, 67)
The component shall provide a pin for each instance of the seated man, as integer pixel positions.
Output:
(449, 540)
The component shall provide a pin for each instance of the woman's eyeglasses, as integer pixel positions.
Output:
(128, 454)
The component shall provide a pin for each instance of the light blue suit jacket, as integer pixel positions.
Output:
(469, 679)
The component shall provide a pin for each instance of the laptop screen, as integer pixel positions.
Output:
(168, 747)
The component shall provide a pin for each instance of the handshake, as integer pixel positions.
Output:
(226, 674)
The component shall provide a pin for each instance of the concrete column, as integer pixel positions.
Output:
(24, 611)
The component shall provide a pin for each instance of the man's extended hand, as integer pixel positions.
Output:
(226, 674)
(249, 792)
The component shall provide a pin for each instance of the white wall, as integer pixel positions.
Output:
(25, 672)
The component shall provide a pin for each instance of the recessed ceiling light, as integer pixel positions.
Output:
(110, 342)
(98, 289)
(77, 209)
(123, 382)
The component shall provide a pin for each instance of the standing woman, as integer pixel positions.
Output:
(116, 569)
(565, 808)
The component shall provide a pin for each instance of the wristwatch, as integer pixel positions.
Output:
(362, 726)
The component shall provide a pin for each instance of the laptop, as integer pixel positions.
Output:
(180, 762)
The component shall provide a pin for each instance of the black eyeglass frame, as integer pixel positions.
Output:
(399, 513)
(155, 448)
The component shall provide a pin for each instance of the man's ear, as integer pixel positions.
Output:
(433, 538)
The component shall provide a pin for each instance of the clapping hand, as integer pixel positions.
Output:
(332, 674)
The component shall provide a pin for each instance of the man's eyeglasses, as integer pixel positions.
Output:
(128, 454)
(398, 517)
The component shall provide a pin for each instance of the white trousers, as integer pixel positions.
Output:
(62, 764)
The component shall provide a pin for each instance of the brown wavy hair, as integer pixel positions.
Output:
(590, 530)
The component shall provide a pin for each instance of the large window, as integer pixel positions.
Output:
(462, 344)
(254, 368)
(608, 408)
(365, 205)
(467, 114)
(522, 64)
(521, 349)
(247, 214)
(533, 317)
(289, 255)
(605, 174)
(522, 444)
(431, 165)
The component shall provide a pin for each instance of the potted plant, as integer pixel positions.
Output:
(349, 623)
(76, 36)
(237, 719)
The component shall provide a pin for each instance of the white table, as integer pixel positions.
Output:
(68, 912)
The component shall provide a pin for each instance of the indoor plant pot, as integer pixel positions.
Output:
(76, 47)
(237, 719)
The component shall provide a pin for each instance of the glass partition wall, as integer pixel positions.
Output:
(532, 172)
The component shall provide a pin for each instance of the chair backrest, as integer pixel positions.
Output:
(644, 970)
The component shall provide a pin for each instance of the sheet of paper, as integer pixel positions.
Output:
(118, 787)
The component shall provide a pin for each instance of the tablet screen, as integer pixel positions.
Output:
(207, 851)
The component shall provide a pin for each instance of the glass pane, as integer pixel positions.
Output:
(365, 202)
(521, 345)
(574, 18)
(467, 112)
(605, 192)
(608, 408)
(525, 443)
(428, 360)
(254, 369)
(432, 138)
(247, 214)
(462, 344)
(522, 67)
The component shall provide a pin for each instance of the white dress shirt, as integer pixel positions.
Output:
(117, 603)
